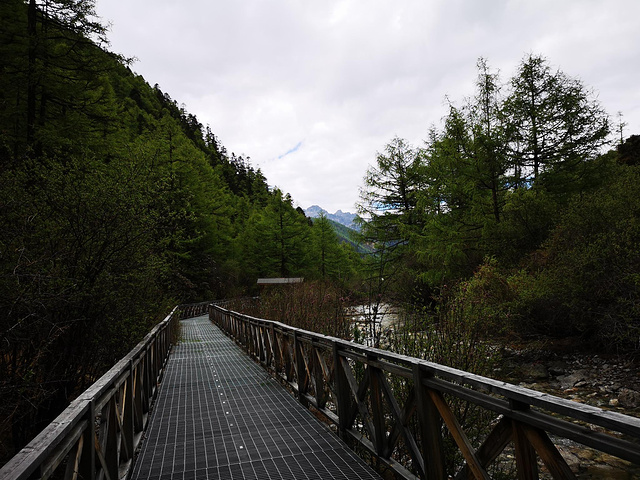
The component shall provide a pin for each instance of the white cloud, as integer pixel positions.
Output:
(345, 77)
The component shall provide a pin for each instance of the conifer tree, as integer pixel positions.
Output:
(558, 126)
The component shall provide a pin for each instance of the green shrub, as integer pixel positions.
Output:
(584, 280)
(315, 306)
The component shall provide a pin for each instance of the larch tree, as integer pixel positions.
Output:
(558, 126)
(389, 215)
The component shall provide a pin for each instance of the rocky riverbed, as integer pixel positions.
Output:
(610, 382)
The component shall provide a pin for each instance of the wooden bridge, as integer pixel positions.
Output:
(199, 408)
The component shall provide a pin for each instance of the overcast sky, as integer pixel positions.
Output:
(311, 90)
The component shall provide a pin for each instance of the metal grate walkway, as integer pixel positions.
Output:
(220, 416)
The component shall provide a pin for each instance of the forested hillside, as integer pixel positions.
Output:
(115, 204)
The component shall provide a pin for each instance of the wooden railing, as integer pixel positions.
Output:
(194, 309)
(411, 415)
(97, 435)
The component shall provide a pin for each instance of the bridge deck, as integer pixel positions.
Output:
(220, 416)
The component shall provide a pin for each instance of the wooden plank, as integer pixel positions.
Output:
(87, 465)
(326, 372)
(399, 370)
(492, 447)
(318, 377)
(395, 468)
(359, 392)
(301, 369)
(273, 339)
(69, 444)
(342, 391)
(286, 358)
(526, 459)
(377, 412)
(109, 438)
(400, 424)
(73, 461)
(305, 362)
(138, 398)
(268, 332)
(464, 445)
(128, 429)
(430, 429)
(405, 414)
(104, 467)
(548, 452)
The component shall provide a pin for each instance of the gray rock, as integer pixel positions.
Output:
(534, 371)
(557, 368)
(569, 381)
(629, 398)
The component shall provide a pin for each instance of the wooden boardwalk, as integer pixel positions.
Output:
(219, 415)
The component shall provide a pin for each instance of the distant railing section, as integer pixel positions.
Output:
(97, 435)
(401, 408)
(194, 309)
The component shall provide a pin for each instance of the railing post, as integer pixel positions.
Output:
(128, 416)
(286, 357)
(342, 392)
(252, 338)
(155, 361)
(147, 382)
(138, 395)
(318, 376)
(430, 429)
(87, 464)
(526, 459)
(377, 412)
(109, 437)
(298, 350)
(268, 345)
(264, 345)
(256, 341)
(276, 349)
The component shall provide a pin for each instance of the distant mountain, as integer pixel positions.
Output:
(343, 224)
(344, 218)
(348, 235)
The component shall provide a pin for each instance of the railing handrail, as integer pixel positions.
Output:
(612, 420)
(525, 407)
(118, 404)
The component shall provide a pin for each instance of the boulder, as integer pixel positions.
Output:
(534, 371)
(557, 368)
(629, 398)
(569, 381)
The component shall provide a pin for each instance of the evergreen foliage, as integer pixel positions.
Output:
(115, 204)
(512, 214)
